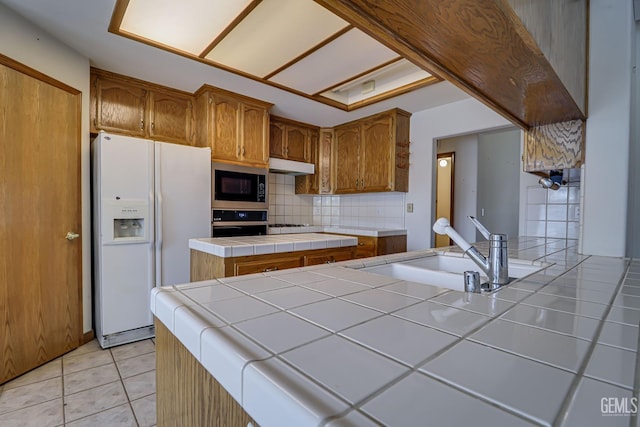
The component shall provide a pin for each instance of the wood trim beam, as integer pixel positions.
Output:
(481, 46)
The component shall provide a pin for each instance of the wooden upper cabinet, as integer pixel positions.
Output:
(120, 104)
(376, 150)
(117, 106)
(347, 160)
(320, 155)
(372, 154)
(224, 136)
(276, 139)
(291, 140)
(298, 140)
(254, 136)
(171, 117)
(234, 126)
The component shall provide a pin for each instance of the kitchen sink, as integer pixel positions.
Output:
(447, 271)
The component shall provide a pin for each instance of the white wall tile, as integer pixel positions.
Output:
(558, 196)
(554, 213)
(557, 229)
(557, 212)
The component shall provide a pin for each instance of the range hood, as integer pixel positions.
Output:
(290, 167)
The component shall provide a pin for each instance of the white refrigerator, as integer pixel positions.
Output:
(149, 199)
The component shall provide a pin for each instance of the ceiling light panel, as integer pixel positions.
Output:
(275, 33)
(188, 25)
(387, 79)
(350, 54)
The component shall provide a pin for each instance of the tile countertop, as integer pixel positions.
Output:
(261, 245)
(338, 229)
(335, 346)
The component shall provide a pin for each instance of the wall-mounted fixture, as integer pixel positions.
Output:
(553, 181)
(548, 184)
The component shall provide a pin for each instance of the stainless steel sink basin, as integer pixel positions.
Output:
(446, 271)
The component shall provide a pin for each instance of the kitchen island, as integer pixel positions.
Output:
(337, 346)
(213, 258)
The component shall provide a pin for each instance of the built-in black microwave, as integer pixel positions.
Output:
(238, 187)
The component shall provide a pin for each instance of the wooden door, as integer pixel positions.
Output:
(40, 270)
(376, 154)
(297, 141)
(346, 159)
(120, 107)
(226, 128)
(171, 118)
(255, 125)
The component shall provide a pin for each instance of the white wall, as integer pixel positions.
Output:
(499, 166)
(29, 45)
(458, 118)
(605, 180)
(633, 226)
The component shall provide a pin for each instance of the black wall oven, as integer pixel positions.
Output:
(237, 187)
(231, 223)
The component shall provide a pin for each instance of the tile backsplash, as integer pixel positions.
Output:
(285, 206)
(555, 213)
(383, 210)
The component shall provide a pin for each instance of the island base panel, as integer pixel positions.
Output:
(187, 395)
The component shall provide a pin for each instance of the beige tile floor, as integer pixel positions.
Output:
(86, 387)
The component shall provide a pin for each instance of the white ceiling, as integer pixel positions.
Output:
(82, 24)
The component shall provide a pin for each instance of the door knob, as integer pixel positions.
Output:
(71, 236)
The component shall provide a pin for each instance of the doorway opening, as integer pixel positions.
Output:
(445, 187)
(487, 182)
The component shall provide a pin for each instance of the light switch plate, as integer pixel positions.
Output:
(410, 207)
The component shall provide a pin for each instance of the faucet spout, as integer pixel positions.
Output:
(496, 266)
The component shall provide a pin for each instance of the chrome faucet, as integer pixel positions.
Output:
(496, 266)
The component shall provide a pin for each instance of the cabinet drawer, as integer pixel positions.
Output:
(261, 266)
(328, 256)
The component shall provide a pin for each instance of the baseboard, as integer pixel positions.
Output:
(87, 336)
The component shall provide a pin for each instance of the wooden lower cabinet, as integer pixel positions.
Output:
(187, 394)
(264, 265)
(375, 246)
(205, 266)
(329, 256)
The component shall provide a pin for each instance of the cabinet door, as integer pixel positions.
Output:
(171, 118)
(225, 115)
(377, 154)
(347, 178)
(323, 163)
(276, 140)
(261, 266)
(255, 125)
(367, 247)
(120, 107)
(297, 144)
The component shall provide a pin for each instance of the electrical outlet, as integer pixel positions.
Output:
(410, 207)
